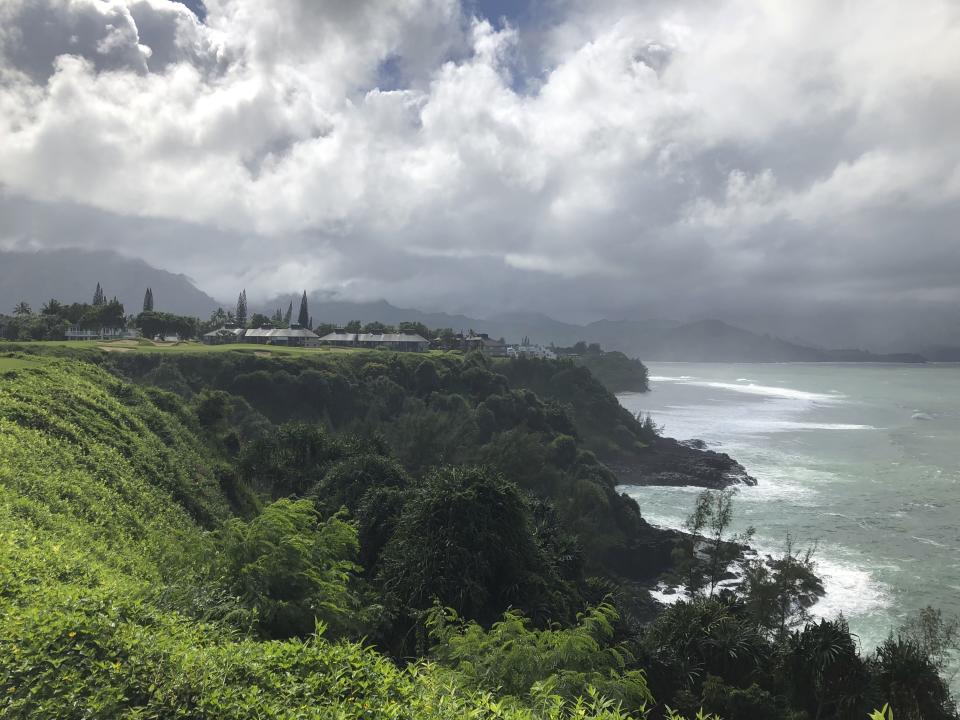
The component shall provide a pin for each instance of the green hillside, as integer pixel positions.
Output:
(106, 491)
(259, 534)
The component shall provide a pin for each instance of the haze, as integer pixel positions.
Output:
(792, 166)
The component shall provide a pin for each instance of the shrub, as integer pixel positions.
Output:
(291, 569)
(516, 659)
(465, 538)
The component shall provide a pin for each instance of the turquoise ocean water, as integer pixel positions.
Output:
(864, 460)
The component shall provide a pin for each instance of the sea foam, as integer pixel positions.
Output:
(771, 391)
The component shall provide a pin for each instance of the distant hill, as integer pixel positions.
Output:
(72, 275)
(703, 341)
(717, 341)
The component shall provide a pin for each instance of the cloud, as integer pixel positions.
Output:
(596, 157)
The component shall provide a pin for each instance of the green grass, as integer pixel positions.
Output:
(14, 363)
(58, 347)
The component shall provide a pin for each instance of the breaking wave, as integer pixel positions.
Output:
(750, 388)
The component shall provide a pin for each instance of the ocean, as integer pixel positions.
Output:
(861, 459)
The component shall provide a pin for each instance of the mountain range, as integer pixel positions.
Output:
(70, 275)
(708, 340)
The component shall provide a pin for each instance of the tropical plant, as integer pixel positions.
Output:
(825, 670)
(465, 538)
(520, 661)
(52, 307)
(937, 636)
(705, 636)
(292, 569)
(908, 678)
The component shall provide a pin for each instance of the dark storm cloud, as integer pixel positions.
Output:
(603, 158)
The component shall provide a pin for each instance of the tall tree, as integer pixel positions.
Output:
(303, 319)
(53, 307)
(289, 316)
(218, 317)
(778, 592)
(701, 558)
(241, 313)
(98, 297)
(22, 308)
(148, 300)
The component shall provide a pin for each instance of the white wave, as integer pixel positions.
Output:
(851, 590)
(790, 425)
(751, 388)
(928, 541)
(666, 595)
(767, 391)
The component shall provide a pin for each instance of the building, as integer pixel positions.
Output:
(531, 351)
(339, 339)
(401, 342)
(398, 342)
(485, 344)
(293, 336)
(222, 336)
(78, 333)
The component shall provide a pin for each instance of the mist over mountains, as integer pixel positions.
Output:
(702, 341)
(71, 274)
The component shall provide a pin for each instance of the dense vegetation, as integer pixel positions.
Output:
(614, 370)
(369, 535)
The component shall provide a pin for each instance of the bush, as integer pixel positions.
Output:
(465, 538)
(347, 482)
(292, 570)
(515, 659)
(212, 407)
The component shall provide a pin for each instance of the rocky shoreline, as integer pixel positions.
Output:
(669, 462)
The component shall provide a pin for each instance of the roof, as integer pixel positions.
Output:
(225, 331)
(280, 332)
(390, 338)
(374, 338)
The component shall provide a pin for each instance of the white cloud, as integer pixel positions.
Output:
(740, 136)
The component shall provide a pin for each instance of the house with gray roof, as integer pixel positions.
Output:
(223, 335)
(398, 342)
(293, 336)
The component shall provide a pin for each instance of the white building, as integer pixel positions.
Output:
(531, 351)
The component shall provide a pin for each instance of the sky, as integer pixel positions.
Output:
(587, 159)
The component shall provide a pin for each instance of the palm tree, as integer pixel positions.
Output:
(826, 669)
(52, 307)
(908, 678)
(22, 308)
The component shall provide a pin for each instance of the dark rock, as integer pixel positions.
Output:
(672, 463)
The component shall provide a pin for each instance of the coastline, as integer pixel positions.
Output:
(673, 463)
